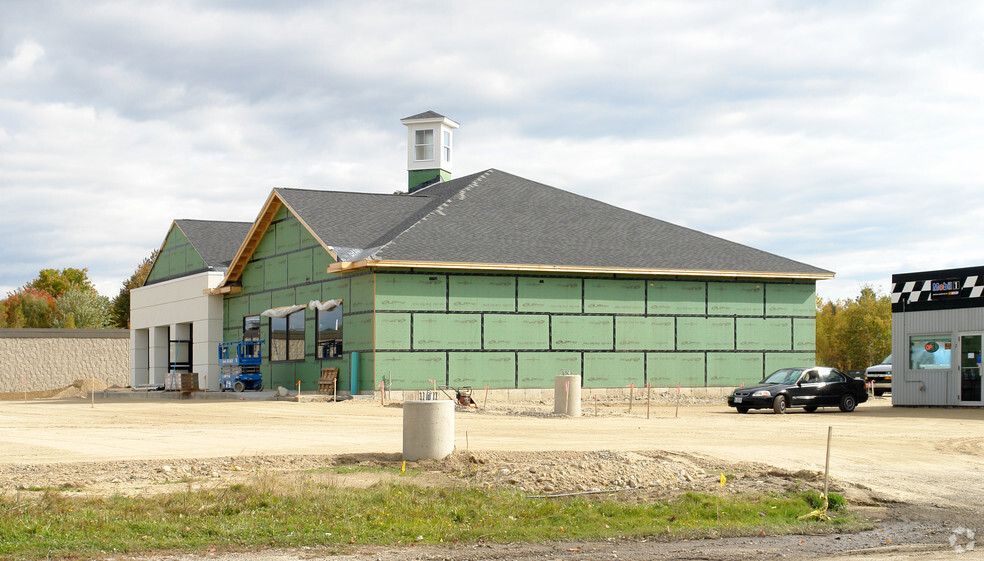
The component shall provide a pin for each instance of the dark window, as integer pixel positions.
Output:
(287, 337)
(330, 333)
(251, 328)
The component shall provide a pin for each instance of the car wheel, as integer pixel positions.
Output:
(742, 409)
(848, 403)
(810, 408)
(779, 404)
(239, 386)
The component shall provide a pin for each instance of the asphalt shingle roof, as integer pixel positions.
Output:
(217, 242)
(499, 218)
(352, 220)
(426, 115)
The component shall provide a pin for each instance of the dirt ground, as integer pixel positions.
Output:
(916, 471)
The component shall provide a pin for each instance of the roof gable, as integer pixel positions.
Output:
(194, 246)
(215, 241)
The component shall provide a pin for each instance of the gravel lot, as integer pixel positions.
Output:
(918, 471)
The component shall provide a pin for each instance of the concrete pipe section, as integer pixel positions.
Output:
(567, 395)
(428, 430)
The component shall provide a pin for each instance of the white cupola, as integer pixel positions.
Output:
(430, 144)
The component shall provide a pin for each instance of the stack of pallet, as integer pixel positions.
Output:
(329, 377)
(181, 381)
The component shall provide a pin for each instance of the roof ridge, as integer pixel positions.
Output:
(333, 191)
(212, 221)
(379, 245)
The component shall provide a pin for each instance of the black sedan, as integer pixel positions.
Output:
(808, 387)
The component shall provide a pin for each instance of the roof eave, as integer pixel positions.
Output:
(343, 267)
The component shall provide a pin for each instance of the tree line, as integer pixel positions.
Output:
(853, 334)
(67, 299)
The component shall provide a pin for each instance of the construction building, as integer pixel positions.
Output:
(486, 279)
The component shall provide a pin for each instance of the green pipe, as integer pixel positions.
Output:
(354, 384)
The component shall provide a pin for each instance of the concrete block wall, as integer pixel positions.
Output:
(54, 358)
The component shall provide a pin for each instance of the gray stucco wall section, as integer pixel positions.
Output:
(54, 358)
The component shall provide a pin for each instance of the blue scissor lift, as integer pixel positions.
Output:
(240, 364)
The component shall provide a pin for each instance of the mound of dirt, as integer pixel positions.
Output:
(643, 475)
(79, 388)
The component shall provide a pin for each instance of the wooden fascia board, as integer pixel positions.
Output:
(259, 227)
(223, 290)
(520, 267)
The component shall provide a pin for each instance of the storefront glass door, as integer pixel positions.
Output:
(970, 370)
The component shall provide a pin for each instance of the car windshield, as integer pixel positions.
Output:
(784, 376)
(888, 360)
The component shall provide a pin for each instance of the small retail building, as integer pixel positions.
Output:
(937, 330)
(175, 324)
(485, 279)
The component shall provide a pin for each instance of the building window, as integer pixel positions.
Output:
(330, 333)
(447, 146)
(287, 337)
(251, 328)
(930, 352)
(423, 146)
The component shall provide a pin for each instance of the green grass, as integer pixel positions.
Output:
(349, 469)
(291, 513)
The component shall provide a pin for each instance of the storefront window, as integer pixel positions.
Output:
(930, 352)
(330, 333)
(287, 337)
(251, 328)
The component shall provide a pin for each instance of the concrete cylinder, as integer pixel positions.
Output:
(567, 395)
(428, 430)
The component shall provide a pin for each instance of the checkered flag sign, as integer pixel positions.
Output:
(909, 292)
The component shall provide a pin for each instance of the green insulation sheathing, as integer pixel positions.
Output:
(549, 294)
(735, 299)
(611, 296)
(517, 332)
(498, 370)
(411, 292)
(633, 333)
(732, 369)
(537, 370)
(447, 331)
(613, 370)
(583, 332)
(700, 334)
(790, 300)
(757, 334)
(667, 370)
(672, 298)
(481, 294)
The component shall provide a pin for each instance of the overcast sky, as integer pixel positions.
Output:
(845, 134)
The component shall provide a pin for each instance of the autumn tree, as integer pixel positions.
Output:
(27, 308)
(81, 309)
(56, 282)
(119, 310)
(853, 334)
(63, 298)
